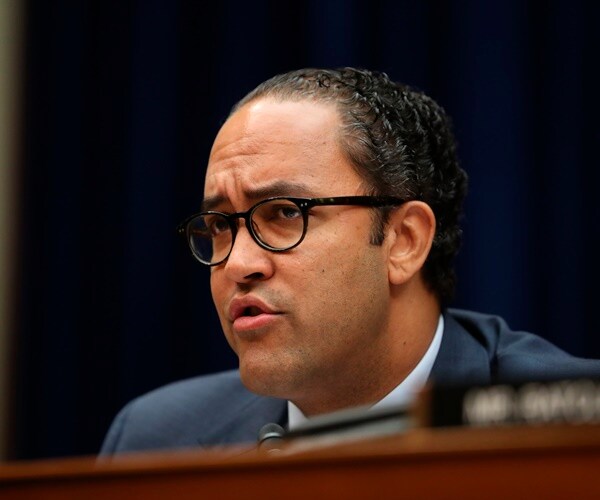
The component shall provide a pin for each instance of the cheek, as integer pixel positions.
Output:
(342, 280)
(219, 296)
(216, 289)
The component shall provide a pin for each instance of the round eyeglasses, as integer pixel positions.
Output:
(276, 224)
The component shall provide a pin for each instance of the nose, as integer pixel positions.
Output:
(247, 261)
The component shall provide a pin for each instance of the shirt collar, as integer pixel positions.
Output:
(403, 393)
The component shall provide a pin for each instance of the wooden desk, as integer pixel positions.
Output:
(507, 463)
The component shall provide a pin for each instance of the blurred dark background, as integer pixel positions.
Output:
(121, 103)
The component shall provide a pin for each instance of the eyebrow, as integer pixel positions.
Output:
(280, 188)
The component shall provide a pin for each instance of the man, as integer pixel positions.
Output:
(330, 222)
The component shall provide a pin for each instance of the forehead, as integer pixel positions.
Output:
(268, 142)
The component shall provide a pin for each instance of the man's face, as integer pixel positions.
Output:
(311, 320)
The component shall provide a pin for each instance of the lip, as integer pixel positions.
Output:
(242, 322)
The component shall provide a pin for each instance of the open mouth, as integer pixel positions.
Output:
(249, 316)
(252, 311)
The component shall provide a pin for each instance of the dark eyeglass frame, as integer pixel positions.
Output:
(304, 205)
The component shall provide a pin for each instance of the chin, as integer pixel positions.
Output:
(264, 379)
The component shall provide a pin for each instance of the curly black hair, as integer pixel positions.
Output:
(401, 143)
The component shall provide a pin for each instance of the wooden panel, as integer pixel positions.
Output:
(554, 462)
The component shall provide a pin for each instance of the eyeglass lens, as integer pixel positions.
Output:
(278, 224)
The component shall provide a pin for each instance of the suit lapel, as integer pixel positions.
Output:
(461, 359)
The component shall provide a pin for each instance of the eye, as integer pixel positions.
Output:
(281, 213)
(219, 226)
(287, 212)
(215, 225)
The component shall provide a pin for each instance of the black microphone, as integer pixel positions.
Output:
(270, 438)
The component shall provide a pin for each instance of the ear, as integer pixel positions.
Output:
(410, 233)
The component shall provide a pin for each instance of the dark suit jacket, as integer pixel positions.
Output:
(217, 409)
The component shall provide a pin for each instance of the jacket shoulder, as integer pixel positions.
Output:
(519, 355)
(176, 415)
